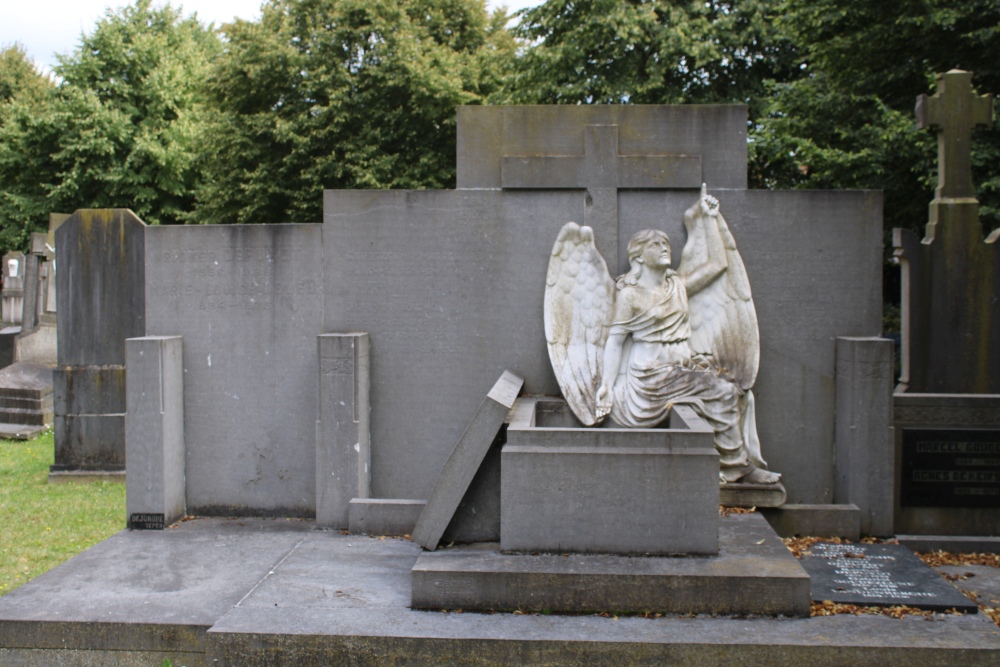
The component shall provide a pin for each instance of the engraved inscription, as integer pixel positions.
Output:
(139, 521)
(950, 468)
(866, 575)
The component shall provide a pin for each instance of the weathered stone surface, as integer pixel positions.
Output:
(101, 288)
(343, 441)
(463, 464)
(609, 490)
(154, 429)
(791, 520)
(951, 278)
(715, 134)
(399, 249)
(247, 301)
(384, 516)
(753, 573)
(865, 456)
(462, 272)
(263, 592)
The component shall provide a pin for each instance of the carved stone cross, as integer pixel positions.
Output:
(602, 171)
(952, 113)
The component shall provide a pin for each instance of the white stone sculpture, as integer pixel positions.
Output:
(655, 338)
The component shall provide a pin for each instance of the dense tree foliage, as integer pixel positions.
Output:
(343, 94)
(18, 75)
(122, 128)
(850, 123)
(186, 124)
(650, 52)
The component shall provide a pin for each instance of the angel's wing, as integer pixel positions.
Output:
(723, 318)
(579, 306)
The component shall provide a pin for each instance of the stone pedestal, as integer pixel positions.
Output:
(623, 491)
(154, 432)
(342, 442)
(753, 573)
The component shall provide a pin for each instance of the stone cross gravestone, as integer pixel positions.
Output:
(951, 278)
(947, 403)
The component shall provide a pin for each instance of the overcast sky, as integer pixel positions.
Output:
(47, 27)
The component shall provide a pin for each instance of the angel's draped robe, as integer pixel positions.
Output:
(660, 373)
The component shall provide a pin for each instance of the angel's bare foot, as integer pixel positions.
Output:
(760, 476)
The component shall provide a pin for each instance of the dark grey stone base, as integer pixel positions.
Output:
(252, 592)
(752, 574)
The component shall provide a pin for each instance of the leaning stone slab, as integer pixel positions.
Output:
(154, 432)
(463, 463)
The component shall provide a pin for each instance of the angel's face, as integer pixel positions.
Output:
(657, 253)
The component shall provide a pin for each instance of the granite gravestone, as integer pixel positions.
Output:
(879, 575)
(101, 287)
(947, 403)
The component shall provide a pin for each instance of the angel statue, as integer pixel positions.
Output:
(634, 347)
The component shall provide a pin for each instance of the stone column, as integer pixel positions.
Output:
(154, 431)
(863, 431)
(342, 437)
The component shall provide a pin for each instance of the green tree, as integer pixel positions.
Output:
(122, 129)
(649, 52)
(850, 122)
(343, 94)
(18, 75)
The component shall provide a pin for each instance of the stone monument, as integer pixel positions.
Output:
(947, 403)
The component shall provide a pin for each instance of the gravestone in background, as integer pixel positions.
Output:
(101, 286)
(13, 287)
(947, 403)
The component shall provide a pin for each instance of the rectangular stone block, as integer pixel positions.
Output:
(342, 447)
(863, 435)
(608, 490)
(753, 573)
(949, 414)
(89, 390)
(384, 516)
(791, 520)
(154, 432)
(89, 442)
(463, 464)
(247, 300)
(101, 286)
(714, 135)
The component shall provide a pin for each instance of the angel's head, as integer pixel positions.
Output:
(650, 247)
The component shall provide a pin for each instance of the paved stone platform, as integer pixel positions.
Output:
(752, 573)
(246, 592)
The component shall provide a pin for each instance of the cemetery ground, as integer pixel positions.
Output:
(42, 524)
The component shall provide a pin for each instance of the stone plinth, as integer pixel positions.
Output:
(154, 432)
(753, 573)
(623, 491)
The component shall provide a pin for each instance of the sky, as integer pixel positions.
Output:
(47, 27)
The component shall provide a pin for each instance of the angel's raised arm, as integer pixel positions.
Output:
(704, 257)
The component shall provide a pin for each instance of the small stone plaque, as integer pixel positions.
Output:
(146, 522)
(950, 468)
(881, 575)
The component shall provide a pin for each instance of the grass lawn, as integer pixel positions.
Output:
(42, 524)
